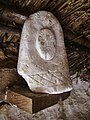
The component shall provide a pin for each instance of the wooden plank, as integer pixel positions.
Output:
(29, 101)
(19, 100)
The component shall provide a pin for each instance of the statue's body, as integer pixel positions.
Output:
(42, 56)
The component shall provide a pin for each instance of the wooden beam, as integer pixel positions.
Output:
(9, 5)
(6, 29)
(15, 16)
(28, 101)
(9, 13)
(72, 36)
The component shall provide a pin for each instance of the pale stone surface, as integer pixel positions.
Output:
(45, 44)
(42, 57)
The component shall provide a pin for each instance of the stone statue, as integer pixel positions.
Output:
(42, 60)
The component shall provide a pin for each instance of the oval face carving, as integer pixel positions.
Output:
(46, 44)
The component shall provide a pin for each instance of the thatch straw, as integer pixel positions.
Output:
(74, 16)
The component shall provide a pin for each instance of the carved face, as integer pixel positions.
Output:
(46, 44)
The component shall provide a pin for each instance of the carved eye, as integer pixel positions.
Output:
(46, 44)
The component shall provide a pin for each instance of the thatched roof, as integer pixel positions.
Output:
(74, 16)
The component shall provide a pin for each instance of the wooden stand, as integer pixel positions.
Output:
(20, 95)
(31, 102)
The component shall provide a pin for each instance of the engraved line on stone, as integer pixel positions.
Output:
(46, 79)
(53, 73)
(53, 85)
(37, 65)
(63, 75)
(57, 77)
(59, 73)
(39, 79)
(51, 76)
(36, 80)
